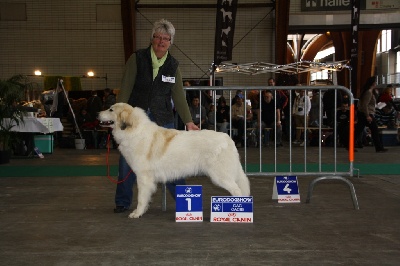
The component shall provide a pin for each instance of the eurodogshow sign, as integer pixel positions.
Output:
(286, 189)
(231, 209)
(189, 203)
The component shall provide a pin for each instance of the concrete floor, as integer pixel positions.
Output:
(70, 221)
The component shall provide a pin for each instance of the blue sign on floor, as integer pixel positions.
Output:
(189, 203)
(231, 209)
(288, 189)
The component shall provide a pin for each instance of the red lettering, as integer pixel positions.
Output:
(289, 199)
(221, 219)
(196, 218)
(242, 220)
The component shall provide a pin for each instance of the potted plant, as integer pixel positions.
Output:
(12, 91)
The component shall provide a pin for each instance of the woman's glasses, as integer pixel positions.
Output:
(160, 38)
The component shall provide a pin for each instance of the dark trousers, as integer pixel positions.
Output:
(361, 124)
(330, 117)
(239, 124)
(343, 132)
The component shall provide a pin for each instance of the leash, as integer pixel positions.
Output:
(108, 165)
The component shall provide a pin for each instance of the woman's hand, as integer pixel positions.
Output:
(191, 126)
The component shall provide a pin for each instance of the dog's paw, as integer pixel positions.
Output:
(134, 214)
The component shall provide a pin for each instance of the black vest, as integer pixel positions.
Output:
(154, 95)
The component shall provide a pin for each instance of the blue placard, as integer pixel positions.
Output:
(231, 204)
(38, 152)
(287, 189)
(189, 199)
(231, 209)
(287, 185)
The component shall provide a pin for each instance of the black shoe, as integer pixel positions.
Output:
(120, 209)
(382, 150)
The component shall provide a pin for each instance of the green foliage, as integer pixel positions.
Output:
(12, 91)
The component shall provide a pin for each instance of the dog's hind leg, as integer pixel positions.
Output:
(146, 188)
(243, 182)
(230, 186)
(226, 181)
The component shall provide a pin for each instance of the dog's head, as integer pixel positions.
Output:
(119, 115)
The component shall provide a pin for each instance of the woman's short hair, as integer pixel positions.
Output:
(163, 26)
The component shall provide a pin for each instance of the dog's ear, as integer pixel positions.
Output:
(124, 120)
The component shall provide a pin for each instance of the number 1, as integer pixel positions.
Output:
(189, 200)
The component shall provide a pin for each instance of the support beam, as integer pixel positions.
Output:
(367, 58)
(281, 30)
(128, 15)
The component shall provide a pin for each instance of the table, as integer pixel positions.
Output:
(32, 125)
(38, 125)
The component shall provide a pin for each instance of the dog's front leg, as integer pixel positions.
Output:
(146, 187)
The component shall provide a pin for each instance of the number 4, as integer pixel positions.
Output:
(287, 189)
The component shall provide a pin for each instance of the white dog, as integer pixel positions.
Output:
(226, 13)
(225, 31)
(157, 154)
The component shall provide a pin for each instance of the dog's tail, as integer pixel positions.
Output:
(243, 182)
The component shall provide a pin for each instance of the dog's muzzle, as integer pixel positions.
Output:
(106, 123)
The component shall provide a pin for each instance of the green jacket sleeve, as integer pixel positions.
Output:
(179, 98)
(128, 79)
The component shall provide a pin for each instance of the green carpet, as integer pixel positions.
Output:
(96, 170)
(79, 170)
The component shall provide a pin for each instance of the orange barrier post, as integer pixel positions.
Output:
(351, 134)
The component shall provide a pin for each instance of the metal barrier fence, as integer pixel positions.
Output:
(274, 160)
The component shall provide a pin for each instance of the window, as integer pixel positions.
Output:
(398, 62)
(385, 42)
(324, 75)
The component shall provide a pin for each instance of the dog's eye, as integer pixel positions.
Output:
(110, 110)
